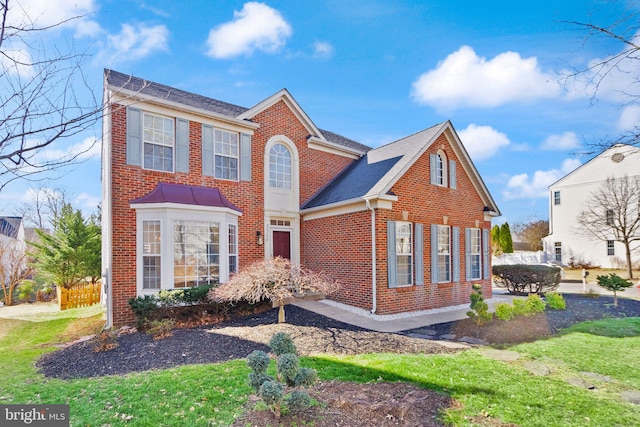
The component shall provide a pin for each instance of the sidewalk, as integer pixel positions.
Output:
(404, 321)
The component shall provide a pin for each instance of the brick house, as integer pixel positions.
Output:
(194, 189)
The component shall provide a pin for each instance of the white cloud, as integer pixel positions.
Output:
(629, 118)
(45, 13)
(464, 79)
(87, 203)
(16, 60)
(133, 43)
(322, 50)
(523, 186)
(88, 148)
(563, 141)
(256, 27)
(482, 142)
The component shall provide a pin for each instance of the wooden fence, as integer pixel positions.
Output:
(78, 296)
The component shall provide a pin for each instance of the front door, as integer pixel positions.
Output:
(282, 244)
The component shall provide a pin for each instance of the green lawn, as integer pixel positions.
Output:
(212, 395)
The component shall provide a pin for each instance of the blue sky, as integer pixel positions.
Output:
(371, 70)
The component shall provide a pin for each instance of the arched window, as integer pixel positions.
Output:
(280, 167)
(439, 168)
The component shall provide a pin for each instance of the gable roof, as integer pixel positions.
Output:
(373, 175)
(186, 195)
(137, 87)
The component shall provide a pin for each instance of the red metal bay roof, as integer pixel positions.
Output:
(186, 195)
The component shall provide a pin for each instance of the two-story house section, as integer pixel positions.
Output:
(195, 189)
(572, 194)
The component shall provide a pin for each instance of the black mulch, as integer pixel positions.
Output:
(139, 352)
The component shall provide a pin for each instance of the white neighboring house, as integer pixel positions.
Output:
(571, 194)
(12, 231)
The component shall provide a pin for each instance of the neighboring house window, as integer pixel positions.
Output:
(609, 217)
(474, 262)
(226, 154)
(151, 270)
(558, 251)
(611, 250)
(556, 197)
(444, 254)
(280, 167)
(233, 248)
(159, 141)
(196, 253)
(404, 254)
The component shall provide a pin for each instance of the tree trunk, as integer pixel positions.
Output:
(628, 254)
(615, 299)
(281, 312)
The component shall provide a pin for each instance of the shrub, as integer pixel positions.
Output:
(107, 340)
(479, 308)
(555, 301)
(505, 311)
(274, 392)
(521, 279)
(160, 329)
(534, 304)
(614, 283)
(26, 289)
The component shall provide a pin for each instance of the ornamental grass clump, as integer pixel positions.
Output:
(283, 390)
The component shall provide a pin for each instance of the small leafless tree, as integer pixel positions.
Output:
(14, 267)
(532, 233)
(273, 279)
(45, 207)
(613, 213)
(44, 97)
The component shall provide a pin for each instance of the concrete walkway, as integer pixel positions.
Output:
(404, 321)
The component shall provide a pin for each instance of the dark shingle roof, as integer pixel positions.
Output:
(157, 90)
(344, 141)
(355, 181)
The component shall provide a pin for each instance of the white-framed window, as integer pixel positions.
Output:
(151, 255)
(279, 167)
(611, 248)
(444, 253)
(609, 217)
(404, 253)
(558, 251)
(226, 154)
(556, 197)
(158, 142)
(184, 247)
(233, 248)
(474, 250)
(196, 253)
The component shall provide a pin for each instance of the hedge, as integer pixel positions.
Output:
(521, 279)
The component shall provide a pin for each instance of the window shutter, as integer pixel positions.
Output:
(134, 136)
(391, 254)
(245, 157)
(452, 175)
(418, 253)
(485, 252)
(467, 252)
(207, 150)
(182, 145)
(455, 253)
(434, 253)
(432, 168)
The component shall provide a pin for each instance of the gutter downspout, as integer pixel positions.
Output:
(374, 294)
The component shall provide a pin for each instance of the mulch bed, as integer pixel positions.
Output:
(226, 341)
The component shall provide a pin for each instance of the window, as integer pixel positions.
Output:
(438, 164)
(151, 255)
(233, 248)
(611, 249)
(444, 254)
(558, 251)
(404, 254)
(279, 167)
(158, 136)
(196, 253)
(556, 197)
(609, 215)
(474, 261)
(439, 169)
(226, 154)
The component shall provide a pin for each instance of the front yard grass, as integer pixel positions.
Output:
(214, 394)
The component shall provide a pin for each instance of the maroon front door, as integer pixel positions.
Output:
(282, 244)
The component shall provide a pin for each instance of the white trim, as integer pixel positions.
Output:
(358, 204)
(333, 148)
(183, 207)
(130, 98)
(107, 217)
